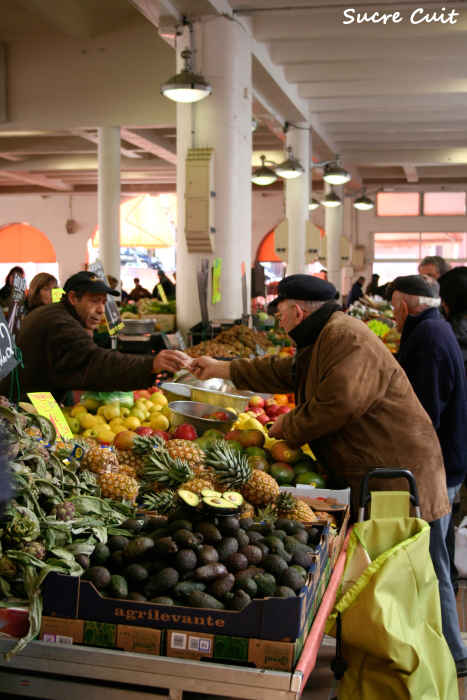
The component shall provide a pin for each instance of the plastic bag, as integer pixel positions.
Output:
(125, 398)
(460, 557)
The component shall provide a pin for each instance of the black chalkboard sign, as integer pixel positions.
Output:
(16, 309)
(8, 360)
(112, 314)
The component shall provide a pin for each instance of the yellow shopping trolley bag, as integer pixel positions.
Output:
(387, 616)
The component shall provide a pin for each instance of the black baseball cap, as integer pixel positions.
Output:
(418, 285)
(304, 288)
(88, 282)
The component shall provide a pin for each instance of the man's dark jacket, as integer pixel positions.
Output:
(355, 293)
(59, 355)
(458, 323)
(430, 355)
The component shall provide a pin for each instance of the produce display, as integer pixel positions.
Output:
(238, 341)
(390, 337)
(147, 307)
(370, 311)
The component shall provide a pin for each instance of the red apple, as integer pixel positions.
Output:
(144, 431)
(270, 402)
(136, 396)
(185, 431)
(256, 409)
(272, 419)
(162, 434)
(281, 410)
(144, 394)
(155, 390)
(233, 435)
(220, 415)
(263, 419)
(272, 410)
(256, 401)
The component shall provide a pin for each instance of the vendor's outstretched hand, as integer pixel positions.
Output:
(208, 368)
(275, 431)
(170, 361)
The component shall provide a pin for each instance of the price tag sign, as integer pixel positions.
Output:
(181, 342)
(112, 314)
(163, 296)
(57, 294)
(46, 406)
(16, 309)
(216, 280)
(8, 360)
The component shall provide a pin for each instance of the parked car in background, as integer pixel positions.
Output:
(129, 257)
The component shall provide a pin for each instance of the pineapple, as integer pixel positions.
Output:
(163, 502)
(100, 460)
(142, 446)
(175, 473)
(188, 451)
(126, 469)
(291, 508)
(249, 511)
(132, 460)
(118, 487)
(232, 470)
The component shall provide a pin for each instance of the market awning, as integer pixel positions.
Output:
(22, 243)
(145, 222)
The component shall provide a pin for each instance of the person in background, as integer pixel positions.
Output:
(432, 360)
(167, 285)
(113, 283)
(372, 287)
(5, 292)
(356, 292)
(139, 292)
(434, 266)
(40, 291)
(453, 293)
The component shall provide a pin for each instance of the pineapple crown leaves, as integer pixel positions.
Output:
(160, 466)
(285, 501)
(163, 502)
(267, 514)
(230, 467)
(143, 445)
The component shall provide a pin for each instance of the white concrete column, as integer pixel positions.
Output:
(222, 122)
(297, 194)
(334, 228)
(108, 198)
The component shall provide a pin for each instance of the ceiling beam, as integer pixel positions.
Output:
(90, 136)
(432, 156)
(10, 156)
(152, 143)
(411, 173)
(40, 180)
(365, 88)
(413, 116)
(396, 103)
(391, 130)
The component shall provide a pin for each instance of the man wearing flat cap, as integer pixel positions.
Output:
(355, 406)
(60, 355)
(431, 357)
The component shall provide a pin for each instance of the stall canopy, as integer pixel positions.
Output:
(266, 252)
(146, 222)
(22, 243)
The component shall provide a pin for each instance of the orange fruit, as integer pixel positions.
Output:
(281, 399)
(291, 405)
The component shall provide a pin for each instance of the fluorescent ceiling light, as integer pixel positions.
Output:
(331, 200)
(186, 86)
(335, 174)
(291, 167)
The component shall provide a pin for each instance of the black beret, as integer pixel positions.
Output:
(304, 288)
(418, 285)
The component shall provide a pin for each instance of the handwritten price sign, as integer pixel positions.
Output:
(49, 408)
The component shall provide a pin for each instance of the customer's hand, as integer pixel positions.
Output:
(208, 368)
(275, 431)
(170, 361)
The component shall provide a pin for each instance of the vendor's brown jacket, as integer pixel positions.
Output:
(356, 409)
(59, 355)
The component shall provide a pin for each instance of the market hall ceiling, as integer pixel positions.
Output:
(390, 98)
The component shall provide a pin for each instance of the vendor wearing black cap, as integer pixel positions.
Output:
(354, 404)
(59, 354)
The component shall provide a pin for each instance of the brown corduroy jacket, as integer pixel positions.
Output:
(355, 408)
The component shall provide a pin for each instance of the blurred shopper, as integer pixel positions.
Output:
(432, 360)
(5, 292)
(167, 285)
(139, 292)
(40, 291)
(372, 287)
(453, 293)
(434, 266)
(356, 292)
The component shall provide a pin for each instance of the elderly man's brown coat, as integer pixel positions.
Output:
(355, 408)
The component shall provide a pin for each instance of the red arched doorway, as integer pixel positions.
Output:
(24, 245)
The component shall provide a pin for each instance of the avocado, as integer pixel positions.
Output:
(188, 575)
(180, 525)
(83, 561)
(136, 575)
(229, 527)
(158, 533)
(304, 559)
(133, 525)
(165, 546)
(274, 544)
(138, 549)
(263, 528)
(284, 592)
(254, 536)
(99, 576)
(314, 535)
(292, 579)
(228, 546)
(246, 584)
(137, 597)
(104, 594)
(182, 589)
(249, 573)
(227, 597)
(157, 565)
(154, 522)
(245, 523)
(161, 583)
(188, 499)
(206, 554)
(211, 534)
(185, 560)
(239, 601)
(234, 498)
(291, 546)
(117, 542)
(280, 534)
(146, 564)
(274, 564)
(116, 562)
(252, 553)
(262, 547)
(218, 506)
(181, 513)
(301, 536)
(289, 526)
(266, 587)
(222, 585)
(206, 493)
(300, 570)
(118, 587)
(100, 554)
(199, 599)
(185, 539)
(236, 562)
(241, 537)
(269, 577)
(209, 572)
(162, 600)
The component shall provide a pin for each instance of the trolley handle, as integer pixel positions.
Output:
(381, 473)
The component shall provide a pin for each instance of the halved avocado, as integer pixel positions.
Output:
(209, 493)
(218, 506)
(233, 497)
(188, 498)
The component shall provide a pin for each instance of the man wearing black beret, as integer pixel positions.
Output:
(354, 404)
